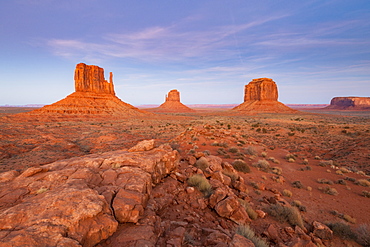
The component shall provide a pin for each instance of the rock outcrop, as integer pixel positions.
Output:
(93, 95)
(172, 103)
(261, 95)
(350, 103)
(79, 201)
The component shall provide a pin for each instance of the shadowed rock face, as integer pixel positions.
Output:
(360, 103)
(93, 95)
(173, 104)
(261, 95)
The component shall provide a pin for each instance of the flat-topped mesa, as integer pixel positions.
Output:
(261, 89)
(173, 95)
(261, 95)
(173, 104)
(90, 78)
(350, 103)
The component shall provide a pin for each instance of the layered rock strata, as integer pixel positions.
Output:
(172, 103)
(80, 201)
(261, 95)
(93, 95)
(350, 103)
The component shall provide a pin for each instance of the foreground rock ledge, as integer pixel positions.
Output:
(79, 201)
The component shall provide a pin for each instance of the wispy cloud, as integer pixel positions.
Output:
(167, 43)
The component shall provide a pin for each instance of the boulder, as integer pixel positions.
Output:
(239, 241)
(322, 231)
(80, 201)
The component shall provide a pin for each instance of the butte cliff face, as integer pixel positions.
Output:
(173, 104)
(350, 103)
(261, 95)
(93, 95)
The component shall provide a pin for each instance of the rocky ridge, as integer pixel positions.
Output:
(349, 103)
(261, 95)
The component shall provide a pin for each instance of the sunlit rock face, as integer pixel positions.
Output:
(354, 103)
(261, 95)
(173, 104)
(90, 78)
(93, 95)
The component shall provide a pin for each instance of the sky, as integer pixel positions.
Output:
(207, 49)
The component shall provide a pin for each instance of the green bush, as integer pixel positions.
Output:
(241, 166)
(286, 214)
(201, 183)
(248, 233)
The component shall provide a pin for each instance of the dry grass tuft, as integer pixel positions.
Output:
(286, 214)
(287, 193)
(247, 232)
(241, 166)
(363, 182)
(201, 183)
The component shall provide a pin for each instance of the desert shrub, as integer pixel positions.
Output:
(297, 184)
(309, 188)
(264, 165)
(233, 150)
(286, 214)
(234, 177)
(361, 173)
(298, 205)
(341, 181)
(287, 193)
(305, 162)
(175, 146)
(277, 170)
(202, 163)
(325, 163)
(191, 151)
(329, 190)
(349, 218)
(248, 233)
(350, 179)
(366, 193)
(290, 157)
(250, 150)
(342, 230)
(273, 160)
(250, 211)
(201, 183)
(207, 152)
(363, 234)
(241, 166)
(317, 157)
(344, 170)
(41, 190)
(324, 181)
(363, 182)
(221, 151)
(264, 154)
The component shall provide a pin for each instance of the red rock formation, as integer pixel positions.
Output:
(94, 95)
(261, 95)
(173, 104)
(350, 103)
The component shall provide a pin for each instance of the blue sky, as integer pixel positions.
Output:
(208, 50)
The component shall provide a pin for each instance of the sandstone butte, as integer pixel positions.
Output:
(261, 95)
(93, 95)
(172, 103)
(349, 103)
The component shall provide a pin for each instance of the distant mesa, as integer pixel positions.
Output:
(349, 103)
(93, 95)
(261, 96)
(172, 103)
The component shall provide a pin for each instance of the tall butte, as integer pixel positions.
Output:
(93, 95)
(173, 104)
(261, 96)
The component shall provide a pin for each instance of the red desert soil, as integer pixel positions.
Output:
(330, 148)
